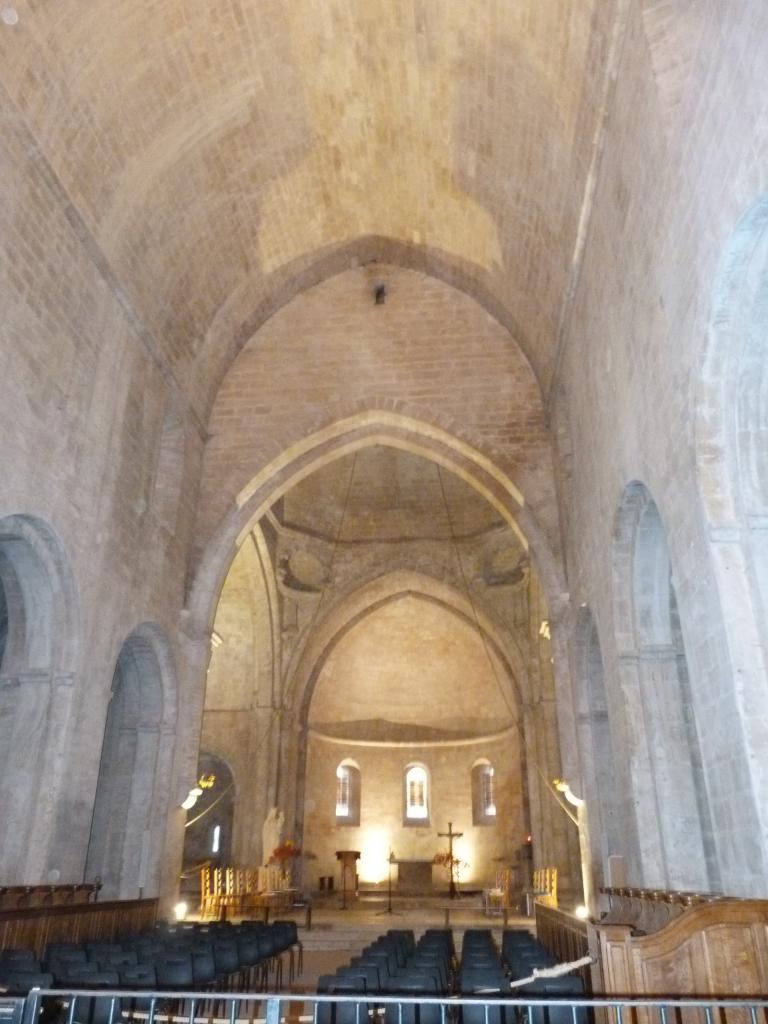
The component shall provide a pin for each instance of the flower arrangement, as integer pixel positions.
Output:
(445, 860)
(284, 852)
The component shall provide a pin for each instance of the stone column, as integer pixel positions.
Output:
(134, 862)
(194, 655)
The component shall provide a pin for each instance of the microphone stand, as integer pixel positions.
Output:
(389, 910)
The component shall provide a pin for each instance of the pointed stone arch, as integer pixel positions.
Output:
(249, 307)
(364, 429)
(674, 827)
(37, 671)
(387, 426)
(132, 792)
(375, 594)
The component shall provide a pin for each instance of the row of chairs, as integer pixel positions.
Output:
(394, 964)
(481, 970)
(209, 957)
(521, 955)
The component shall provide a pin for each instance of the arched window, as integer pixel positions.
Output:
(209, 832)
(347, 793)
(483, 793)
(416, 811)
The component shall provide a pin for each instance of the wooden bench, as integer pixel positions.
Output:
(34, 927)
(715, 948)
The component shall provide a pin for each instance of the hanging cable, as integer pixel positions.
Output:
(316, 609)
(335, 548)
(514, 710)
(210, 807)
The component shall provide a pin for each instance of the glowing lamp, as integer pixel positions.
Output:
(191, 798)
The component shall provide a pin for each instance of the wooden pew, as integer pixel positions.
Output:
(16, 897)
(33, 927)
(716, 949)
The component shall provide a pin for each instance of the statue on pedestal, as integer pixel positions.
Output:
(271, 832)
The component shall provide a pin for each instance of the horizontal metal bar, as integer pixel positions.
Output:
(286, 999)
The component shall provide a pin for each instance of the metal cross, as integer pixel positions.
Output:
(450, 835)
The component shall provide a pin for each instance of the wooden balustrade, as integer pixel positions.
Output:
(565, 936)
(34, 927)
(545, 886)
(243, 892)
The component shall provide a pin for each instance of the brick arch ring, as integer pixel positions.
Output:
(363, 430)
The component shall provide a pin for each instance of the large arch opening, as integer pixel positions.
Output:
(673, 827)
(131, 793)
(38, 619)
(349, 509)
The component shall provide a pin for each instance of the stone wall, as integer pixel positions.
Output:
(684, 157)
(101, 460)
(485, 848)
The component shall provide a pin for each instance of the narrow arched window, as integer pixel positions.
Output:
(347, 793)
(416, 795)
(483, 793)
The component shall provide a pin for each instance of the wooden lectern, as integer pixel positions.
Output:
(348, 860)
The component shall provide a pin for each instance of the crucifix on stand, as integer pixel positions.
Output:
(450, 835)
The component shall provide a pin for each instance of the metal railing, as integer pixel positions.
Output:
(112, 1006)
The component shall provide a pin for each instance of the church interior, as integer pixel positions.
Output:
(384, 500)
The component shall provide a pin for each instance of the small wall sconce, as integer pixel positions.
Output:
(191, 798)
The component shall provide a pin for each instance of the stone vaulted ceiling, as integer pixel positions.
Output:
(211, 153)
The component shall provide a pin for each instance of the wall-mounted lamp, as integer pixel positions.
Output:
(191, 798)
(180, 911)
(562, 787)
(544, 630)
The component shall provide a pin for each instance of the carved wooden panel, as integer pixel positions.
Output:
(714, 949)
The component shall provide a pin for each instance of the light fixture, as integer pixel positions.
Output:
(544, 630)
(9, 15)
(562, 787)
(216, 639)
(581, 912)
(180, 911)
(191, 798)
